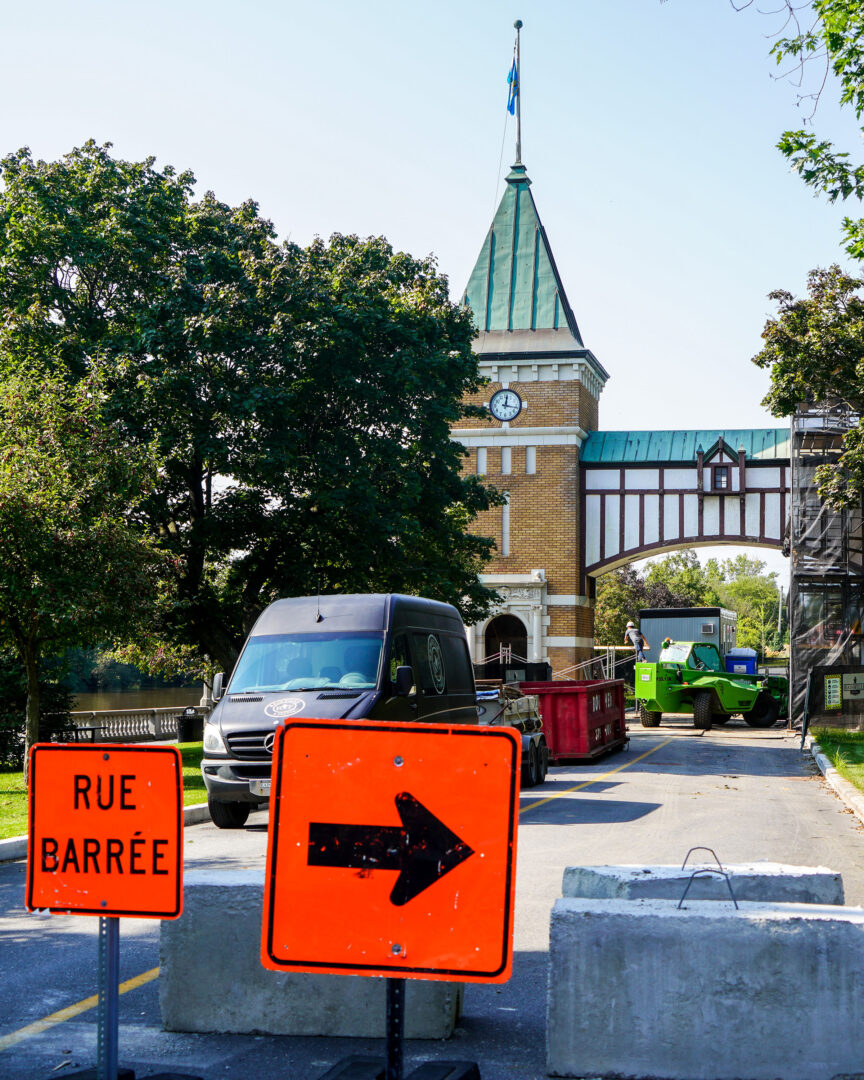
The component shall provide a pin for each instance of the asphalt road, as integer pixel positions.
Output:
(747, 794)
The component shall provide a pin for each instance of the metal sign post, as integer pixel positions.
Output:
(395, 1028)
(105, 839)
(107, 1038)
(412, 828)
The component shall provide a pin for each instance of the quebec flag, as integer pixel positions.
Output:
(513, 80)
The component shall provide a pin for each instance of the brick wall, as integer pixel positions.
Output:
(548, 404)
(545, 527)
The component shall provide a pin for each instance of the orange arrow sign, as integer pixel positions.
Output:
(423, 850)
(391, 850)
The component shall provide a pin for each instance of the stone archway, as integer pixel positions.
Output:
(507, 631)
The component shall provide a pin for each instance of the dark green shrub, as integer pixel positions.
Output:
(54, 709)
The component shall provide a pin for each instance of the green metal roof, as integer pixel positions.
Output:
(515, 283)
(659, 447)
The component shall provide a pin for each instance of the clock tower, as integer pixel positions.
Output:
(542, 397)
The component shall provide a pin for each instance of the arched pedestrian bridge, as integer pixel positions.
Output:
(647, 492)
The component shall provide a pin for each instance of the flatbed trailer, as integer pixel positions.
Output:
(501, 703)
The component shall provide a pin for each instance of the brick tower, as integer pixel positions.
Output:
(542, 401)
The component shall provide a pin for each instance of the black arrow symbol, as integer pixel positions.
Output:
(423, 850)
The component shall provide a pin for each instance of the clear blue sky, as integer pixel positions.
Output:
(648, 130)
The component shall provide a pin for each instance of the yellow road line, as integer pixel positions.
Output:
(38, 1026)
(594, 779)
(71, 1011)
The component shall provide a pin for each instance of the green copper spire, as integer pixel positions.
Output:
(515, 286)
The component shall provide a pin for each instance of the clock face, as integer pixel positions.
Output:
(505, 405)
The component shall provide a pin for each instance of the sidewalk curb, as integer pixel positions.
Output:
(16, 846)
(850, 795)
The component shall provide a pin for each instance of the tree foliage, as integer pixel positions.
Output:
(299, 400)
(742, 585)
(683, 577)
(73, 570)
(679, 580)
(821, 43)
(814, 349)
(55, 703)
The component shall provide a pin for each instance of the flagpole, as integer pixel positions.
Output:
(518, 25)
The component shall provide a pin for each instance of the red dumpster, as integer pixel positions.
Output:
(582, 718)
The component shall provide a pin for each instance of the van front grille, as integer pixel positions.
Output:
(248, 745)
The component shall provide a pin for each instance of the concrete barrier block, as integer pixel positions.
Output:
(211, 977)
(759, 882)
(768, 992)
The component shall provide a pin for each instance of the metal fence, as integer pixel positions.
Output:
(130, 725)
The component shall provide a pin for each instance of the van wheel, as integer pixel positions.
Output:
(649, 719)
(702, 717)
(531, 770)
(228, 815)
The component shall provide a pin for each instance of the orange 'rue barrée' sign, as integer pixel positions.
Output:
(392, 850)
(105, 834)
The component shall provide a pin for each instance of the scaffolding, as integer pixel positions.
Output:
(826, 549)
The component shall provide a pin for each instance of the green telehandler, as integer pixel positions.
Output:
(689, 678)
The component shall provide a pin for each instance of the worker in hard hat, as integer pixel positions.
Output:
(636, 638)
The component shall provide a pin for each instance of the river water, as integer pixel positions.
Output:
(138, 699)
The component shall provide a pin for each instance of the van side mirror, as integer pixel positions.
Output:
(218, 679)
(404, 680)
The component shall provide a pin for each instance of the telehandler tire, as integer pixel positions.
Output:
(765, 711)
(702, 716)
(649, 719)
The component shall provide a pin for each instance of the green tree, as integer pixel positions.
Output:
(55, 702)
(299, 399)
(620, 595)
(820, 44)
(814, 346)
(677, 580)
(814, 350)
(72, 568)
(683, 575)
(831, 46)
(742, 585)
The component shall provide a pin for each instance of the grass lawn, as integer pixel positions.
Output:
(13, 794)
(845, 750)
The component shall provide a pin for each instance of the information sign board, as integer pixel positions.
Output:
(105, 834)
(833, 692)
(392, 850)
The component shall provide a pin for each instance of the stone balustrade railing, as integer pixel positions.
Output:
(130, 725)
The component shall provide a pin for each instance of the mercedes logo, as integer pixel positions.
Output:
(268, 742)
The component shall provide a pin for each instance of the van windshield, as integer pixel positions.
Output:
(309, 662)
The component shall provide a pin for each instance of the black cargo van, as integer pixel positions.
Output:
(382, 656)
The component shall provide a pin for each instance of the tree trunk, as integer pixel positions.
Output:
(30, 657)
